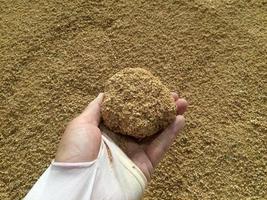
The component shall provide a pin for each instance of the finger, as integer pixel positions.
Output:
(181, 106)
(158, 146)
(92, 114)
(175, 96)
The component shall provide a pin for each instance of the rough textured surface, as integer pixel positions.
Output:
(137, 104)
(56, 55)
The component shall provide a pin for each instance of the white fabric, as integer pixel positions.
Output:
(112, 176)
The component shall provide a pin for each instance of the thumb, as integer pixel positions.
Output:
(91, 113)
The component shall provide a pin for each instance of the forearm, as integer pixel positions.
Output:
(111, 176)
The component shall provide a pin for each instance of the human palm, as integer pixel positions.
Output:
(82, 138)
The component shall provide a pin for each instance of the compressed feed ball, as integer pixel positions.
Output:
(137, 104)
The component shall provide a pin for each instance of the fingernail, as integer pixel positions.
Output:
(180, 122)
(100, 94)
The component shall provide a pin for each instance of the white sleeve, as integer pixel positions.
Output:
(111, 176)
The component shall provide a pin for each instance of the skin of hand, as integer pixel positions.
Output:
(82, 138)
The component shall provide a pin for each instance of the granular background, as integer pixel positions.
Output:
(56, 55)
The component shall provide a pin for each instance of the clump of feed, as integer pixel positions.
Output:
(137, 104)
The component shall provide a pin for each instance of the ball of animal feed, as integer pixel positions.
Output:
(136, 103)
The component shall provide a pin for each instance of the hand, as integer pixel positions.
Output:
(82, 138)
